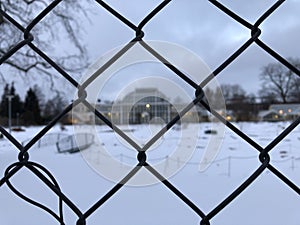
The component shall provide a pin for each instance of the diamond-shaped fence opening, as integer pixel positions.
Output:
(112, 120)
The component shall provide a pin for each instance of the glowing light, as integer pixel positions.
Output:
(228, 118)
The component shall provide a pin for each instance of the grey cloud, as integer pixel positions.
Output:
(205, 30)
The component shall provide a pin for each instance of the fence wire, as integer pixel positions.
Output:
(45, 176)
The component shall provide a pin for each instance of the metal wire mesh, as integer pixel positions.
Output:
(47, 178)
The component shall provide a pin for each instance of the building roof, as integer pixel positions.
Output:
(264, 113)
(141, 93)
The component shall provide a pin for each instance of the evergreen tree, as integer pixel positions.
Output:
(53, 107)
(16, 103)
(32, 112)
(4, 102)
(40, 96)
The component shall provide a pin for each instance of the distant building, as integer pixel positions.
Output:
(269, 116)
(287, 111)
(139, 106)
(279, 112)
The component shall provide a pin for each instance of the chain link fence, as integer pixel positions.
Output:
(45, 176)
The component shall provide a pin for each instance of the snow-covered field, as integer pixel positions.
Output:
(268, 201)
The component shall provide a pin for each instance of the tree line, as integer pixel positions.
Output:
(279, 85)
(34, 110)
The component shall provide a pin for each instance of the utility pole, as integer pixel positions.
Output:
(9, 97)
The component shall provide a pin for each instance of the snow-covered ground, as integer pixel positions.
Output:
(268, 201)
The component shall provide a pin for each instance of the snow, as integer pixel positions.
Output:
(268, 201)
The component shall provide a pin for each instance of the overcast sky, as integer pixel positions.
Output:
(196, 25)
(203, 29)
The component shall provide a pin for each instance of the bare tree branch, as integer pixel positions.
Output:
(63, 22)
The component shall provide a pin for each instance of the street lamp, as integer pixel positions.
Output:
(9, 97)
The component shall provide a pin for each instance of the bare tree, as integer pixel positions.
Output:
(53, 107)
(278, 82)
(233, 93)
(63, 23)
(295, 93)
(239, 102)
